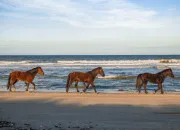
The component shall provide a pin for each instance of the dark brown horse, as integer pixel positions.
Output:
(27, 77)
(86, 77)
(158, 78)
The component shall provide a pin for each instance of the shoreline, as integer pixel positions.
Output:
(89, 91)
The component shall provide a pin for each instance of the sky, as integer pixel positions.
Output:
(89, 27)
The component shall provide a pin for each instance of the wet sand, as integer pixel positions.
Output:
(79, 111)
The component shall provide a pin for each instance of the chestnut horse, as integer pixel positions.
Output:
(27, 77)
(158, 78)
(86, 77)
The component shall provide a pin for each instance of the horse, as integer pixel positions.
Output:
(27, 77)
(158, 78)
(85, 77)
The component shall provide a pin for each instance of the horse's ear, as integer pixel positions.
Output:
(38, 67)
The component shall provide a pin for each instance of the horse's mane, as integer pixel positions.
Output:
(33, 70)
(164, 70)
(96, 69)
(93, 70)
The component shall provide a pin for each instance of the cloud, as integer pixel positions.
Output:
(172, 9)
(86, 14)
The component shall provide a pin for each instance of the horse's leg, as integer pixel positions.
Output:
(86, 87)
(76, 85)
(34, 85)
(14, 85)
(145, 84)
(14, 88)
(11, 84)
(156, 90)
(27, 84)
(10, 90)
(162, 91)
(10, 87)
(139, 89)
(67, 88)
(94, 87)
(159, 87)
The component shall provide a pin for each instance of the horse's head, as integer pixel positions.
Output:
(40, 71)
(170, 73)
(101, 71)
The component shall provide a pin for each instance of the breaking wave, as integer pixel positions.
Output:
(169, 61)
(159, 64)
(15, 62)
(119, 62)
(117, 77)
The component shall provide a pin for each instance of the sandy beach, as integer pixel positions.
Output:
(79, 111)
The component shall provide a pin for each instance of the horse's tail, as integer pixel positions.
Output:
(139, 81)
(67, 84)
(9, 79)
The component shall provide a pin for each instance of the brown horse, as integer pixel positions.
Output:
(86, 77)
(27, 77)
(158, 78)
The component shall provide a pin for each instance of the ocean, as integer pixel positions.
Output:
(120, 71)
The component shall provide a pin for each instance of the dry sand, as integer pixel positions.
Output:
(77, 111)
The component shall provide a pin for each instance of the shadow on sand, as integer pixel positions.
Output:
(51, 115)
